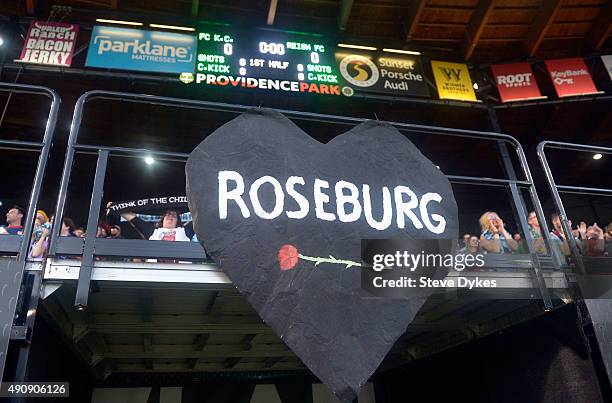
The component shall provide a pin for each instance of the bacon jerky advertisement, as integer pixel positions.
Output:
(284, 215)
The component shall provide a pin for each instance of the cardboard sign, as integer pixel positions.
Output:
(453, 81)
(146, 204)
(284, 215)
(135, 49)
(570, 77)
(385, 74)
(515, 82)
(50, 43)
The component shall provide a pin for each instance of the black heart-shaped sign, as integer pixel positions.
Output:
(283, 215)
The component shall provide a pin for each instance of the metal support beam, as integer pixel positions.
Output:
(82, 294)
(272, 12)
(520, 211)
(540, 24)
(601, 28)
(414, 15)
(24, 351)
(12, 269)
(476, 26)
(345, 13)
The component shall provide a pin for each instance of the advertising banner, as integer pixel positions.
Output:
(453, 81)
(515, 82)
(570, 77)
(607, 61)
(134, 49)
(49, 43)
(392, 75)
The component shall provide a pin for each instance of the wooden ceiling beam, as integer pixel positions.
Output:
(211, 302)
(540, 24)
(195, 355)
(200, 343)
(345, 13)
(476, 26)
(195, 8)
(30, 7)
(172, 328)
(414, 15)
(271, 361)
(601, 29)
(230, 363)
(272, 12)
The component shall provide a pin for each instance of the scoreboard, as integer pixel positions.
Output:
(284, 61)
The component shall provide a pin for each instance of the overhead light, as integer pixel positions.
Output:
(597, 156)
(118, 22)
(177, 28)
(1, 41)
(149, 160)
(406, 52)
(171, 36)
(475, 86)
(344, 45)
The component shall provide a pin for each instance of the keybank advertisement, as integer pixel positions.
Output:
(134, 49)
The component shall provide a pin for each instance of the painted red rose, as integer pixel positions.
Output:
(288, 257)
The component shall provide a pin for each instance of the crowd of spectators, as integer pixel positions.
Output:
(494, 237)
(169, 228)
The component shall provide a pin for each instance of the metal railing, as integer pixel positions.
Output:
(105, 247)
(556, 191)
(12, 267)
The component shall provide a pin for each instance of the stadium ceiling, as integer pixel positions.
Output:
(480, 31)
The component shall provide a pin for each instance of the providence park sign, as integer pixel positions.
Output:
(284, 215)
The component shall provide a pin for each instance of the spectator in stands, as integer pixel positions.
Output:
(558, 240)
(79, 232)
(495, 238)
(608, 240)
(167, 229)
(41, 221)
(473, 246)
(521, 245)
(67, 227)
(536, 233)
(40, 234)
(14, 219)
(103, 230)
(466, 240)
(593, 241)
(115, 232)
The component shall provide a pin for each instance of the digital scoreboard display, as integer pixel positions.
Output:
(282, 61)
